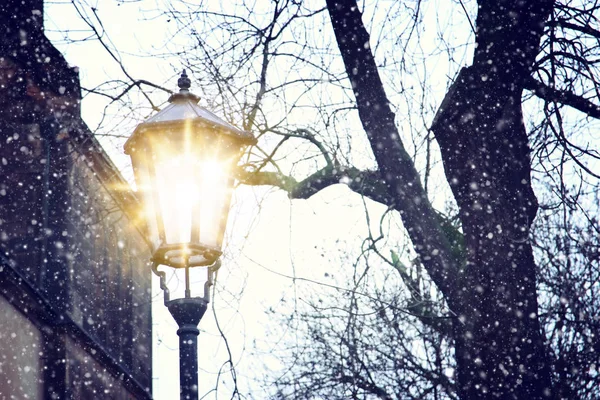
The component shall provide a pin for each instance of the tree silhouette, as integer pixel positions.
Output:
(336, 97)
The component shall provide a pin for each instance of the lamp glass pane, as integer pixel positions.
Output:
(214, 186)
(145, 191)
(176, 161)
(192, 188)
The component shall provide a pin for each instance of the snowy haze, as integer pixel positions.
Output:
(278, 252)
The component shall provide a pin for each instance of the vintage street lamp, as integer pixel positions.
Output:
(184, 161)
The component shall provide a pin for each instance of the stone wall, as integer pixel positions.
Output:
(20, 363)
(108, 268)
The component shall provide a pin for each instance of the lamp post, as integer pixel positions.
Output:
(183, 160)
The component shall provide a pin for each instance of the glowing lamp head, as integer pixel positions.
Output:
(183, 160)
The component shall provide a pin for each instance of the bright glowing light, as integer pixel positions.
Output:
(192, 194)
(178, 192)
(214, 188)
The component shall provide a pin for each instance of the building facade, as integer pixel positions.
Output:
(75, 316)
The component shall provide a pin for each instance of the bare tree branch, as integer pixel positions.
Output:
(548, 93)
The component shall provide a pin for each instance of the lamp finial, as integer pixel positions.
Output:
(184, 82)
(184, 94)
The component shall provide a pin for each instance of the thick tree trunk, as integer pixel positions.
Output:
(396, 168)
(500, 350)
(499, 346)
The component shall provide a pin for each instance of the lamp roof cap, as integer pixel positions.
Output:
(183, 108)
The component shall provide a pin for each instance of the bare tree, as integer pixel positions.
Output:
(514, 118)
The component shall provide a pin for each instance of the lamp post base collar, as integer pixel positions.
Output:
(187, 312)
